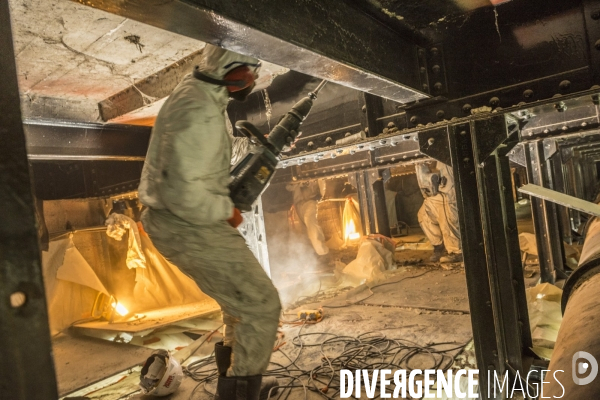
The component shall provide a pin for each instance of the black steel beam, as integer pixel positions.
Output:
(485, 333)
(372, 109)
(325, 39)
(380, 205)
(63, 140)
(545, 218)
(500, 234)
(26, 352)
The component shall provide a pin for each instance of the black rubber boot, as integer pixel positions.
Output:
(238, 387)
(438, 252)
(222, 358)
(223, 361)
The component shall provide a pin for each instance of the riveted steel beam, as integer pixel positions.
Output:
(325, 39)
(26, 352)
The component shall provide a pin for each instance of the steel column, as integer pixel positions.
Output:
(383, 222)
(478, 285)
(545, 218)
(501, 239)
(371, 109)
(26, 365)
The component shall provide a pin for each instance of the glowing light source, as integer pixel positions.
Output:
(350, 231)
(120, 308)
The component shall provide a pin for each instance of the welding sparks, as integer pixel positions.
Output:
(350, 231)
(120, 308)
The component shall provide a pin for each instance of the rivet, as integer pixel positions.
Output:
(528, 94)
(436, 69)
(17, 299)
(494, 102)
(440, 114)
(467, 108)
(438, 86)
(565, 85)
(430, 141)
(414, 119)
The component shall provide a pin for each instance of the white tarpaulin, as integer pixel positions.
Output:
(75, 269)
(372, 260)
(68, 299)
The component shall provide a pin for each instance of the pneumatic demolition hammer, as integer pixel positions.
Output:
(251, 175)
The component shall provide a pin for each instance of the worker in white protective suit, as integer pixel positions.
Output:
(438, 216)
(191, 218)
(305, 196)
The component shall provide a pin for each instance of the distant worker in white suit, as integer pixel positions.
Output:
(306, 195)
(438, 215)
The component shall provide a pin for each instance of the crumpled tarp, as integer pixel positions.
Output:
(76, 269)
(71, 284)
(545, 317)
(372, 260)
(162, 284)
(117, 225)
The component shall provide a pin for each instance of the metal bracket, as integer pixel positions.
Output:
(434, 143)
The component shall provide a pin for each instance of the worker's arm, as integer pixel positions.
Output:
(194, 164)
(240, 146)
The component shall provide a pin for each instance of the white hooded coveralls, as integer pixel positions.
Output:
(306, 207)
(438, 216)
(184, 184)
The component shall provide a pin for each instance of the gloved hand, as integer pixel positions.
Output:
(236, 219)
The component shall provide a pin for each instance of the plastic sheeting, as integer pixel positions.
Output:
(68, 299)
(117, 225)
(545, 317)
(162, 284)
(372, 260)
(72, 285)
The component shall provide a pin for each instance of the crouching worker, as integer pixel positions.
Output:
(438, 215)
(191, 218)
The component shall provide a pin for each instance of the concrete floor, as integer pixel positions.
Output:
(400, 311)
(432, 308)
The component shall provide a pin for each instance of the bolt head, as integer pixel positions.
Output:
(436, 69)
(438, 86)
(564, 85)
(494, 102)
(467, 108)
(528, 94)
(440, 114)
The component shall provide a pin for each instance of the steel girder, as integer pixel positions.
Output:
(27, 367)
(326, 39)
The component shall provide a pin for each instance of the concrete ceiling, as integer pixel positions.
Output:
(71, 57)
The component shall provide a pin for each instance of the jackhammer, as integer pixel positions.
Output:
(251, 175)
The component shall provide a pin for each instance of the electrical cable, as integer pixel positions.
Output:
(367, 351)
(373, 293)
